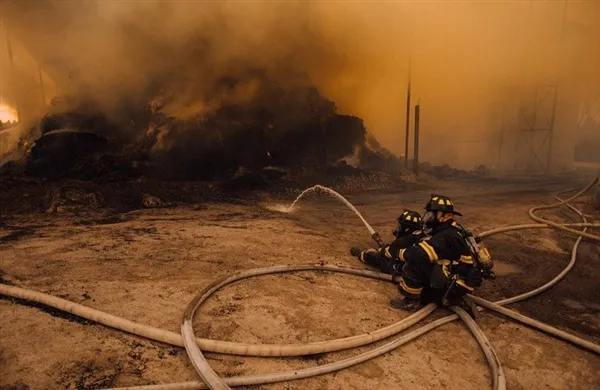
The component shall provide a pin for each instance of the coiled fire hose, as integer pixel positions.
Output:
(214, 382)
(246, 349)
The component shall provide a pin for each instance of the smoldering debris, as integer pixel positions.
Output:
(283, 128)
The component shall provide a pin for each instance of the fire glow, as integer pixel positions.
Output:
(8, 114)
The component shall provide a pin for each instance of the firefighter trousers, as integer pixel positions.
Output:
(381, 262)
(432, 278)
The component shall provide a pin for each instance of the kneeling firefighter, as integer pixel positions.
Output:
(386, 259)
(447, 263)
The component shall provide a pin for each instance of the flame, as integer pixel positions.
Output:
(8, 114)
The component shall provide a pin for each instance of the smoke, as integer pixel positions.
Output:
(468, 60)
(191, 59)
(117, 52)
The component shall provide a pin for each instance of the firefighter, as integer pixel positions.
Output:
(408, 232)
(440, 260)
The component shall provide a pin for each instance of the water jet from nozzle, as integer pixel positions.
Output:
(329, 191)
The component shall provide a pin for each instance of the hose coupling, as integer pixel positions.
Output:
(375, 236)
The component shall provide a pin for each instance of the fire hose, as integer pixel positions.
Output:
(210, 377)
(288, 350)
(215, 382)
(227, 347)
(498, 377)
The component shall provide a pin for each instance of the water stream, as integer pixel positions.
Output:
(326, 190)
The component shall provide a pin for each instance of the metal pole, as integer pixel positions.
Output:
(416, 151)
(501, 143)
(324, 133)
(551, 135)
(43, 92)
(406, 140)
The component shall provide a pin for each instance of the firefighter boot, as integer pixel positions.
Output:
(406, 303)
(355, 251)
(359, 254)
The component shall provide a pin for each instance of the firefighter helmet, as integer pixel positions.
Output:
(441, 203)
(410, 219)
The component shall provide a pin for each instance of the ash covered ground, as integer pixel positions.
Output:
(141, 249)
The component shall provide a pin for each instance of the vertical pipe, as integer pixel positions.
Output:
(406, 139)
(501, 141)
(416, 151)
(532, 131)
(551, 135)
(324, 133)
(42, 91)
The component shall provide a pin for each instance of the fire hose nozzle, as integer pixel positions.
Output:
(375, 236)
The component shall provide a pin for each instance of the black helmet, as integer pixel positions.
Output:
(410, 219)
(441, 203)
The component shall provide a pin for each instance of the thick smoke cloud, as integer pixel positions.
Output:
(194, 58)
(127, 51)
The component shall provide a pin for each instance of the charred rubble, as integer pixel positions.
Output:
(285, 128)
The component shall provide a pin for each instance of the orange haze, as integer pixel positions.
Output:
(465, 56)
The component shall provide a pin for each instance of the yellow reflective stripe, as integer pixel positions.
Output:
(467, 259)
(401, 254)
(429, 250)
(445, 270)
(461, 283)
(387, 252)
(410, 290)
(361, 257)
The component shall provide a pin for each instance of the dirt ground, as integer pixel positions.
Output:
(145, 265)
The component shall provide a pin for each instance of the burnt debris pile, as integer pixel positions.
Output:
(286, 128)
